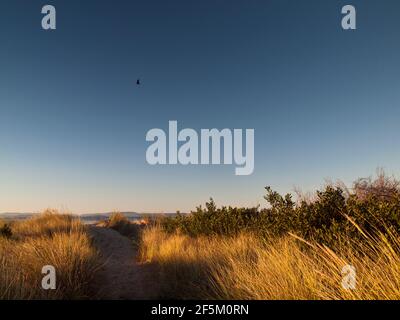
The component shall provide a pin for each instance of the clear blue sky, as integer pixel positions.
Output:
(324, 103)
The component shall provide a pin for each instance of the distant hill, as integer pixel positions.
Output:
(87, 217)
(15, 216)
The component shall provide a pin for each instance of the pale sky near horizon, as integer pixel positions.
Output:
(324, 102)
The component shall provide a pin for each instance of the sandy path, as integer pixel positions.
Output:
(121, 277)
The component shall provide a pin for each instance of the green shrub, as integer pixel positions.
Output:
(331, 214)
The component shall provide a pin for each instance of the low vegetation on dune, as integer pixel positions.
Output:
(119, 222)
(290, 250)
(340, 243)
(47, 239)
(372, 205)
(247, 267)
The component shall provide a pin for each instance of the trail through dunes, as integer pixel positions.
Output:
(121, 277)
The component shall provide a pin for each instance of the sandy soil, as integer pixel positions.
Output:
(121, 277)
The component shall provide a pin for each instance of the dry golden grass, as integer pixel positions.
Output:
(121, 223)
(47, 239)
(46, 224)
(248, 268)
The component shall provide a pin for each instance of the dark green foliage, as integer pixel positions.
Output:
(325, 219)
(213, 220)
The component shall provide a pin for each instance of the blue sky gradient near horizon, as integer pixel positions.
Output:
(324, 102)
